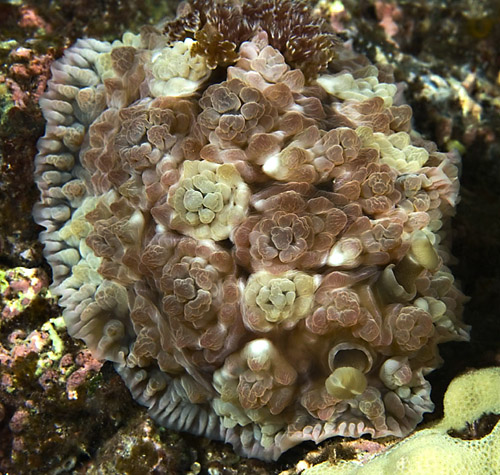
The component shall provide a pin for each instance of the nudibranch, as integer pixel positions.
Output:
(239, 215)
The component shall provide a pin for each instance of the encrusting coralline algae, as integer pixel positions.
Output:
(239, 215)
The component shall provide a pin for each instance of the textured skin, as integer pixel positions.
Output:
(262, 257)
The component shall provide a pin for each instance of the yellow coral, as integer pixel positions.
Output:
(469, 396)
(432, 450)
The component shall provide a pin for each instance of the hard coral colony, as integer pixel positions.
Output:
(239, 216)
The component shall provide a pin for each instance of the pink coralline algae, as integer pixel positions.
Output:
(18, 288)
(27, 67)
(239, 215)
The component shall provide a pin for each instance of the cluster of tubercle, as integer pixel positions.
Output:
(261, 252)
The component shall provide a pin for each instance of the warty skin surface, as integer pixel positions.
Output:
(257, 243)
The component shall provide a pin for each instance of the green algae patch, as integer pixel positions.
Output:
(19, 287)
(6, 102)
(57, 347)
